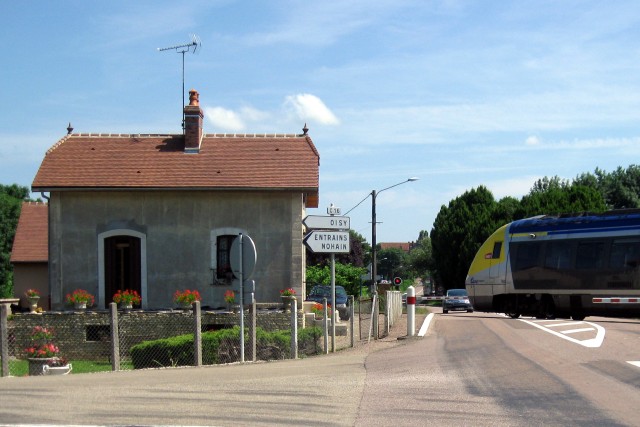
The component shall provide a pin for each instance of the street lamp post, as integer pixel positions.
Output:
(374, 266)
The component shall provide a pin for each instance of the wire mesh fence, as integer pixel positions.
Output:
(90, 341)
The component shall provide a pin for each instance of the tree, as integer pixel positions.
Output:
(572, 198)
(619, 189)
(11, 197)
(347, 276)
(421, 256)
(391, 262)
(458, 232)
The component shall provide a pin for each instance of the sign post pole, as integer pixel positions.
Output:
(241, 278)
(333, 303)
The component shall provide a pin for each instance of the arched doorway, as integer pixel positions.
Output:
(122, 265)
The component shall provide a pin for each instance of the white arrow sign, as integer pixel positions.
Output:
(328, 242)
(326, 222)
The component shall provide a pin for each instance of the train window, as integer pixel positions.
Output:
(526, 256)
(497, 246)
(625, 254)
(558, 255)
(589, 255)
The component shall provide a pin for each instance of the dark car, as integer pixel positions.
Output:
(457, 300)
(319, 292)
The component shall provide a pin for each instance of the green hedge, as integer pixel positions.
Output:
(221, 346)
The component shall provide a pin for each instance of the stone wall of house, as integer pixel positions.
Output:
(176, 227)
(86, 335)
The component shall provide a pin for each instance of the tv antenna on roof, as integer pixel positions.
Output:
(194, 47)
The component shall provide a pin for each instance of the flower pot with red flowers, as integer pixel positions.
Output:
(80, 299)
(42, 351)
(127, 299)
(318, 310)
(185, 299)
(230, 299)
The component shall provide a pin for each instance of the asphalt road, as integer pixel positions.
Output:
(470, 369)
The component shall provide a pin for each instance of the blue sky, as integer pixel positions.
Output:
(457, 93)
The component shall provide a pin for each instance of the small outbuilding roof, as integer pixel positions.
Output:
(31, 242)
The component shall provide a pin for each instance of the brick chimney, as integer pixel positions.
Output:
(193, 123)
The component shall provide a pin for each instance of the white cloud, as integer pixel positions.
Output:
(310, 107)
(225, 119)
(532, 140)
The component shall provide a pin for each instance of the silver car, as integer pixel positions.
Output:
(456, 300)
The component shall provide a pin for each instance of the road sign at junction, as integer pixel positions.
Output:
(328, 242)
(327, 222)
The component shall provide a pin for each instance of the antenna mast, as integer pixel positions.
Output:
(196, 44)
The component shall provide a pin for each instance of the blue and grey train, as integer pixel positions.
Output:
(560, 266)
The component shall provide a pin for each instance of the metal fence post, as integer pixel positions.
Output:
(115, 337)
(374, 315)
(253, 340)
(4, 339)
(197, 334)
(388, 313)
(325, 326)
(294, 328)
(351, 321)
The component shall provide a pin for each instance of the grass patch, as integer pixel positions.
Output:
(20, 368)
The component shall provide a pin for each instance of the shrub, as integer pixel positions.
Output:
(220, 347)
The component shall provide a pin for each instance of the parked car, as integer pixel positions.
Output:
(319, 292)
(457, 300)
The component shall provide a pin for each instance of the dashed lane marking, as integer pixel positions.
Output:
(634, 363)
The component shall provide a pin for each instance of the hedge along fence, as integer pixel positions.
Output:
(221, 346)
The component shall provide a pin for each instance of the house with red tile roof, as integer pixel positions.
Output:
(403, 246)
(29, 254)
(159, 213)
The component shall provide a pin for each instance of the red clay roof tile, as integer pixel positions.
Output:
(273, 162)
(31, 242)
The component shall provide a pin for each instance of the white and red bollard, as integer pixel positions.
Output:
(411, 311)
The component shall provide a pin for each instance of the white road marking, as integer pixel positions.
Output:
(425, 325)
(573, 331)
(592, 342)
(634, 363)
(560, 324)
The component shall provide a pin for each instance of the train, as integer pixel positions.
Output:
(570, 265)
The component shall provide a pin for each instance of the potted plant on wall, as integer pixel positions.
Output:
(185, 299)
(127, 299)
(230, 299)
(80, 299)
(287, 296)
(33, 297)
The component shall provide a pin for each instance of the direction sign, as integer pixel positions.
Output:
(328, 242)
(327, 222)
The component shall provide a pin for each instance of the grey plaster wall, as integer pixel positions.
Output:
(177, 227)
